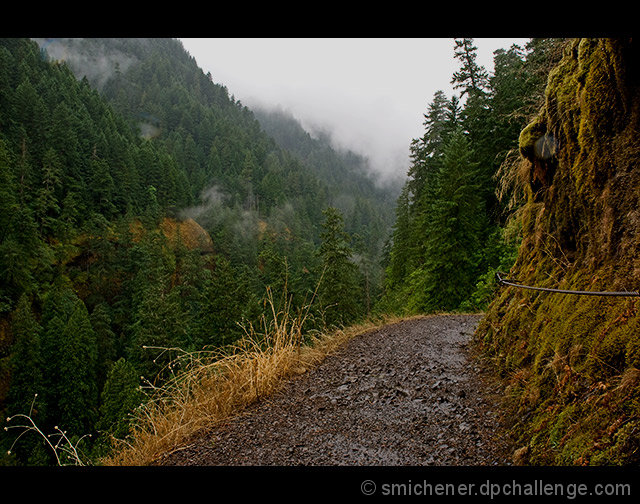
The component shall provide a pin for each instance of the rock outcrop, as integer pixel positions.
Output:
(572, 361)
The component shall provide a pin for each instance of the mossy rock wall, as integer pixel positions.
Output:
(571, 362)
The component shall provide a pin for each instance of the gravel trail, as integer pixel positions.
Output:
(407, 394)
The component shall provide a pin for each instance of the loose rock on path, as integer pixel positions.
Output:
(406, 394)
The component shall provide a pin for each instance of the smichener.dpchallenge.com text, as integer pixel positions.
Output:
(513, 488)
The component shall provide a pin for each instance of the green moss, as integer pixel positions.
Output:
(607, 358)
(632, 349)
(577, 324)
(530, 135)
(574, 450)
(565, 357)
(560, 427)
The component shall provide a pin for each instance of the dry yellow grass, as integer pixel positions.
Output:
(214, 387)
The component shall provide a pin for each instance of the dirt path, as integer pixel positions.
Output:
(406, 394)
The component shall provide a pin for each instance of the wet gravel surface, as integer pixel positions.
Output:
(407, 394)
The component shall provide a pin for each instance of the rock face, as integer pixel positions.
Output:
(571, 361)
(188, 232)
(185, 232)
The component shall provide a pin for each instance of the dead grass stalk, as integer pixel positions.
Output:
(214, 386)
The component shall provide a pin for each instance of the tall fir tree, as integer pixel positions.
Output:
(77, 365)
(453, 245)
(26, 361)
(471, 78)
(25, 395)
(120, 396)
(59, 304)
(339, 292)
(106, 341)
(225, 299)
(399, 256)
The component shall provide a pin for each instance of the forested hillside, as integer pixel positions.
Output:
(366, 201)
(103, 265)
(243, 185)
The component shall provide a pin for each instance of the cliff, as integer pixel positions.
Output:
(571, 362)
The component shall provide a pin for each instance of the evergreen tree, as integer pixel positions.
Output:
(30, 113)
(47, 202)
(471, 78)
(106, 341)
(26, 392)
(26, 360)
(20, 246)
(8, 207)
(339, 292)
(55, 313)
(156, 312)
(69, 355)
(152, 208)
(77, 373)
(440, 128)
(454, 225)
(424, 149)
(399, 262)
(273, 268)
(102, 187)
(120, 396)
(225, 298)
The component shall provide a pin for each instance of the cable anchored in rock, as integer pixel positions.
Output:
(515, 283)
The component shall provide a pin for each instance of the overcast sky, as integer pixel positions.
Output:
(370, 93)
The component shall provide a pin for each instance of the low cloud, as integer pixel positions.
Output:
(97, 67)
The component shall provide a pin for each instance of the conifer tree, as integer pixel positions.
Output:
(424, 149)
(224, 297)
(152, 207)
(339, 292)
(77, 373)
(106, 343)
(399, 263)
(102, 187)
(8, 207)
(440, 128)
(471, 77)
(120, 395)
(26, 359)
(273, 268)
(59, 305)
(30, 113)
(63, 137)
(25, 395)
(454, 225)
(47, 204)
(477, 118)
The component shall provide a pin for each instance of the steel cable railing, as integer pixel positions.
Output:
(514, 283)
